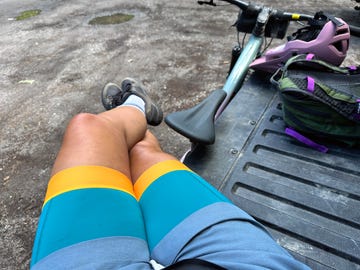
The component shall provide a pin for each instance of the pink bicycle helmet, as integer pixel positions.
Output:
(329, 43)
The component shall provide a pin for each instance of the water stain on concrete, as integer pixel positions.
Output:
(28, 14)
(111, 19)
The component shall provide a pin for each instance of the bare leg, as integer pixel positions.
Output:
(145, 154)
(93, 200)
(90, 190)
(102, 140)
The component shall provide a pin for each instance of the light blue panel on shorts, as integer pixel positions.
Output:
(223, 234)
(103, 253)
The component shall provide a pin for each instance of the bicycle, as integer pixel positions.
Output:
(197, 123)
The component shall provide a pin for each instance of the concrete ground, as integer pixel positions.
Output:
(54, 65)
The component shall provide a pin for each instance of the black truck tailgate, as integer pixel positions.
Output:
(309, 201)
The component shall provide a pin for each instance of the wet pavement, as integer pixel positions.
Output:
(55, 64)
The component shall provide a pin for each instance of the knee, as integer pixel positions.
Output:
(83, 125)
(83, 121)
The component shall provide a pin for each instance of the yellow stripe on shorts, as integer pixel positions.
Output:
(81, 177)
(154, 172)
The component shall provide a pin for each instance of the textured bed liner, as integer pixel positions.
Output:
(309, 201)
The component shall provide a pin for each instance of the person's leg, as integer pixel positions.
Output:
(106, 139)
(167, 190)
(186, 218)
(102, 140)
(90, 183)
(90, 211)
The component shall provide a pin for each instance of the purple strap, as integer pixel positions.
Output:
(310, 56)
(307, 141)
(352, 67)
(310, 84)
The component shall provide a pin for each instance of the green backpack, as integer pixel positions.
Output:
(320, 102)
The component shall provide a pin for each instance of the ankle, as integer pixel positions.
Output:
(136, 102)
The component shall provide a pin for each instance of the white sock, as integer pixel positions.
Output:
(136, 102)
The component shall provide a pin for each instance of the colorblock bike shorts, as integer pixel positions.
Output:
(94, 218)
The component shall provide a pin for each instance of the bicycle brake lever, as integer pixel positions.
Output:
(211, 3)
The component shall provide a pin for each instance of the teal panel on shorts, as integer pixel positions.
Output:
(86, 214)
(173, 197)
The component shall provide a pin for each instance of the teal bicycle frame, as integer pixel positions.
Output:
(240, 69)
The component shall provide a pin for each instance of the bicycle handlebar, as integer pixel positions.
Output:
(258, 19)
(274, 13)
(277, 14)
